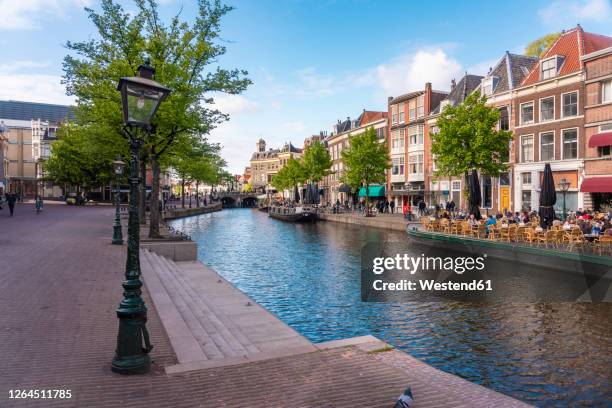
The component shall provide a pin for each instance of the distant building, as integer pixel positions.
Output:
(266, 163)
(29, 130)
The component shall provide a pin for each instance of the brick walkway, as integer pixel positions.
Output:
(59, 286)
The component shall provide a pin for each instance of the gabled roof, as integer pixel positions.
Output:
(571, 45)
(370, 116)
(457, 95)
(510, 71)
(18, 110)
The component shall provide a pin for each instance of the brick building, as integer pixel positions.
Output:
(409, 144)
(597, 183)
(338, 140)
(442, 189)
(266, 163)
(549, 124)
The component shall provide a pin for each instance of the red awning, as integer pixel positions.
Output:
(597, 185)
(601, 139)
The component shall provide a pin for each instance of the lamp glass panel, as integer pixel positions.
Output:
(142, 103)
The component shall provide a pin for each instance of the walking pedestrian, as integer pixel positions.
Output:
(11, 198)
(392, 205)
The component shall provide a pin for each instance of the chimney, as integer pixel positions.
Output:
(389, 99)
(427, 86)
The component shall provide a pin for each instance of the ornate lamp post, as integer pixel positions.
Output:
(564, 185)
(140, 98)
(117, 236)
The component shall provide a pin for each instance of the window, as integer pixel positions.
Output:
(526, 200)
(412, 109)
(570, 143)
(421, 106)
(526, 113)
(415, 134)
(397, 140)
(415, 163)
(526, 179)
(393, 114)
(456, 193)
(402, 113)
(488, 85)
(570, 104)
(549, 68)
(606, 91)
(398, 166)
(527, 148)
(504, 118)
(547, 146)
(487, 192)
(547, 109)
(603, 151)
(380, 133)
(504, 179)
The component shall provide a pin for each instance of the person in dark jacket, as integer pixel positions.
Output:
(11, 198)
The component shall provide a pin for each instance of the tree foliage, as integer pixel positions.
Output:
(316, 162)
(185, 56)
(538, 47)
(289, 176)
(467, 139)
(366, 160)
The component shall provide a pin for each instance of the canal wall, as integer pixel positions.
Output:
(188, 212)
(394, 222)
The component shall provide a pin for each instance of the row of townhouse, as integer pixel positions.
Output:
(559, 108)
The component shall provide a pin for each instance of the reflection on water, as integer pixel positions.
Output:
(555, 354)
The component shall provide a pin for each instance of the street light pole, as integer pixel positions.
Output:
(117, 235)
(140, 97)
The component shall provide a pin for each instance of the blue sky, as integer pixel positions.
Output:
(312, 61)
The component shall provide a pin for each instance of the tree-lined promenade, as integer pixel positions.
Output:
(184, 55)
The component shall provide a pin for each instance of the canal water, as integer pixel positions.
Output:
(555, 354)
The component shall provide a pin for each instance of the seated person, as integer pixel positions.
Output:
(596, 229)
(490, 221)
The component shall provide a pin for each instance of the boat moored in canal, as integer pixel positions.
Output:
(293, 214)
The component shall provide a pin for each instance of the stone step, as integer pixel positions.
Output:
(184, 343)
(179, 297)
(227, 347)
(211, 317)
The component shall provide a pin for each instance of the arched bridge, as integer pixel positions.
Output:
(233, 199)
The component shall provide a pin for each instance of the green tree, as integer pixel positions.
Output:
(538, 47)
(316, 162)
(185, 56)
(366, 161)
(80, 159)
(289, 176)
(468, 139)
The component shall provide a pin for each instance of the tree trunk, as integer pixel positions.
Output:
(183, 192)
(142, 202)
(155, 215)
(197, 193)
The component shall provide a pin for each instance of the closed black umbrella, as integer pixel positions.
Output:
(475, 196)
(548, 198)
(296, 194)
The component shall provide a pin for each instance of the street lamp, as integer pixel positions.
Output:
(118, 166)
(140, 98)
(564, 185)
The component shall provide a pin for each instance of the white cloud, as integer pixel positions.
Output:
(233, 104)
(26, 14)
(565, 13)
(411, 71)
(17, 84)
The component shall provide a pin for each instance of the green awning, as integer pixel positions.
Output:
(373, 191)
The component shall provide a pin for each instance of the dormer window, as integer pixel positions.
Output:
(549, 68)
(489, 84)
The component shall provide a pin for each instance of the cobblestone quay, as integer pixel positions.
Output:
(60, 284)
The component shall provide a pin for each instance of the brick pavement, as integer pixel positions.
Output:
(59, 286)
